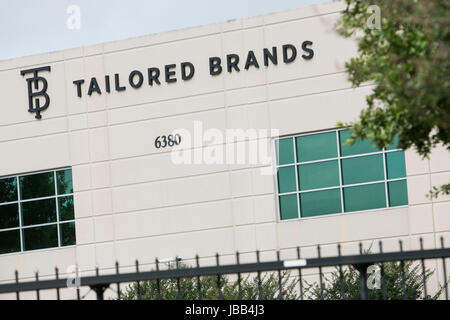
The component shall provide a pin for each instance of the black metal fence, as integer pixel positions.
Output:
(99, 283)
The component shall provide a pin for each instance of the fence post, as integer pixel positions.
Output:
(362, 269)
(99, 290)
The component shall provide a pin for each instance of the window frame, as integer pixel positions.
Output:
(19, 201)
(341, 187)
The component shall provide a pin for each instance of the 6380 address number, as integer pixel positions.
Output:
(167, 141)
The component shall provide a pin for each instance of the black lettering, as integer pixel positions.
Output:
(170, 73)
(78, 83)
(185, 76)
(140, 79)
(108, 88)
(290, 59)
(251, 60)
(93, 86)
(117, 84)
(272, 56)
(153, 75)
(308, 50)
(214, 66)
(232, 62)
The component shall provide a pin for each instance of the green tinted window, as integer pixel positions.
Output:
(362, 169)
(398, 193)
(359, 147)
(8, 189)
(370, 196)
(331, 175)
(67, 231)
(39, 211)
(316, 146)
(9, 241)
(286, 179)
(64, 181)
(395, 164)
(30, 204)
(37, 185)
(318, 175)
(288, 207)
(40, 237)
(320, 202)
(9, 216)
(285, 151)
(65, 208)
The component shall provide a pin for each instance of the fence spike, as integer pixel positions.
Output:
(239, 277)
(158, 281)
(178, 280)
(259, 277)
(199, 285)
(383, 283)
(138, 286)
(118, 283)
(218, 278)
(16, 273)
(57, 289)
(279, 278)
(37, 290)
(444, 269)
(320, 273)
(341, 276)
(300, 275)
(402, 265)
(424, 276)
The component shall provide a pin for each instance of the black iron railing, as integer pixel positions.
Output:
(99, 283)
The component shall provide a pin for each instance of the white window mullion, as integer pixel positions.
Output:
(296, 177)
(275, 154)
(57, 208)
(340, 170)
(385, 179)
(20, 213)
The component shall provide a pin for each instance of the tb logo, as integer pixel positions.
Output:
(35, 79)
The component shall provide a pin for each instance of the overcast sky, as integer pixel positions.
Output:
(35, 26)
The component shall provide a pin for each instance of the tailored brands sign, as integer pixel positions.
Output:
(37, 84)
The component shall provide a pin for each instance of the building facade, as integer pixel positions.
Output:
(213, 139)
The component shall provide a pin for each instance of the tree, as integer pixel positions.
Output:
(393, 284)
(407, 60)
(210, 291)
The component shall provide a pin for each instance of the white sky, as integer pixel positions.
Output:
(35, 26)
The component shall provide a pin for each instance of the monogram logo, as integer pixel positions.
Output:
(35, 79)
